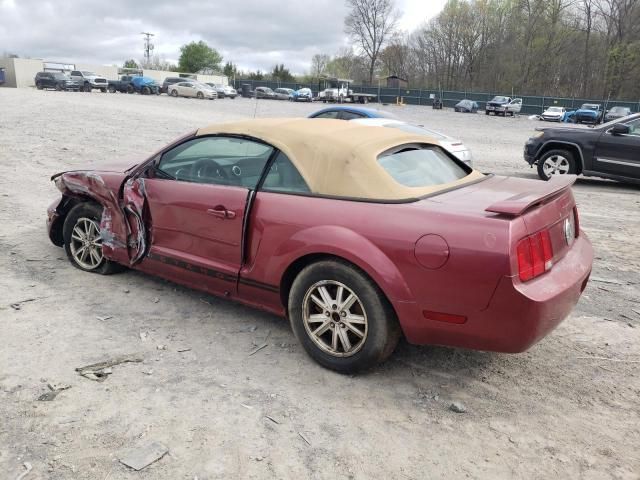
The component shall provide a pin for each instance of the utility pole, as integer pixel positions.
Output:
(148, 46)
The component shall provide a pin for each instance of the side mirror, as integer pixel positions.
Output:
(620, 129)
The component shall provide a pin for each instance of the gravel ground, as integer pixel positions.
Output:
(568, 408)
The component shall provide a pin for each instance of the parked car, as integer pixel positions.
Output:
(171, 81)
(347, 112)
(134, 84)
(616, 112)
(192, 89)
(589, 113)
(283, 93)
(554, 114)
(454, 146)
(302, 95)
(611, 150)
(55, 80)
(356, 234)
(223, 91)
(466, 106)
(504, 106)
(264, 92)
(89, 80)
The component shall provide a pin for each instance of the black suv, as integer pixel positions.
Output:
(611, 150)
(55, 80)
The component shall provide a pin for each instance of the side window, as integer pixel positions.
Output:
(76, 73)
(284, 177)
(330, 114)
(217, 161)
(635, 127)
(346, 115)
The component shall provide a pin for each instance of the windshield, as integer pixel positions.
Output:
(88, 74)
(554, 109)
(590, 106)
(421, 167)
(500, 99)
(618, 110)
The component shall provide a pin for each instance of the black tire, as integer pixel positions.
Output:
(39, 86)
(80, 212)
(112, 89)
(145, 90)
(58, 87)
(130, 90)
(174, 93)
(87, 87)
(559, 154)
(200, 95)
(381, 327)
(103, 90)
(486, 112)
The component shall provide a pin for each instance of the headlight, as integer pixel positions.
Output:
(538, 135)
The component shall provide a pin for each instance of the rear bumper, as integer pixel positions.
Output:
(518, 315)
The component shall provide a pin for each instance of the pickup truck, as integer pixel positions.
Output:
(134, 84)
(89, 80)
(504, 106)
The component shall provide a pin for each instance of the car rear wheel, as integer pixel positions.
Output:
(174, 93)
(341, 317)
(146, 90)
(83, 240)
(200, 95)
(556, 162)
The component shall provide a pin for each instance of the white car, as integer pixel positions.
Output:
(451, 145)
(192, 89)
(553, 114)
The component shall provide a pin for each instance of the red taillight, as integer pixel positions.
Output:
(535, 255)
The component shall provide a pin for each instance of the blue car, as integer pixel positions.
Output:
(302, 95)
(589, 113)
(344, 112)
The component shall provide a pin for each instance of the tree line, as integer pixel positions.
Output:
(580, 48)
(571, 48)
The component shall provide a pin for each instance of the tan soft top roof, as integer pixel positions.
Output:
(336, 157)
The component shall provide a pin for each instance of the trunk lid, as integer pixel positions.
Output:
(539, 205)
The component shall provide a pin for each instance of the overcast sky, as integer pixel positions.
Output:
(251, 33)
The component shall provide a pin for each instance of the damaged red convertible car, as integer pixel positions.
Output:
(357, 234)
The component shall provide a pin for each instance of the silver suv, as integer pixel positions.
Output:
(89, 80)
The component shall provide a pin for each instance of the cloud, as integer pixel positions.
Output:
(252, 34)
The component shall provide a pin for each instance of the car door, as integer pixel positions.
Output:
(619, 154)
(196, 198)
(515, 105)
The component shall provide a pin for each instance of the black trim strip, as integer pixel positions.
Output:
(209, 272)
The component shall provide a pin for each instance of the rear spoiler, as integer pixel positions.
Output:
(519, 203)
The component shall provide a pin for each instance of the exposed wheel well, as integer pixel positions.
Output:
(563, 146)
(65, 206)
(296, 267)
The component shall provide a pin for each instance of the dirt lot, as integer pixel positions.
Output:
(568, 408)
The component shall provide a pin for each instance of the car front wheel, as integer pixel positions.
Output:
(83, 240)
(556, 162)
(341, 317)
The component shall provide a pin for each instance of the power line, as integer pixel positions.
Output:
(148, 46)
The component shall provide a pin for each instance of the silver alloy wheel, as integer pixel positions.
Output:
(334, 318)
(86, 243)
(555, 164)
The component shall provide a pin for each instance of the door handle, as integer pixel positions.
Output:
(221, 212)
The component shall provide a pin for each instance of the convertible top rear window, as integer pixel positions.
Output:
(421, 166)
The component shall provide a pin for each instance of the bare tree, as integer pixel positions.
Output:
(319, 64)
(370, 24)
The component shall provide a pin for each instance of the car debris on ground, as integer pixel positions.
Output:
(99, 371)
(143, 456)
